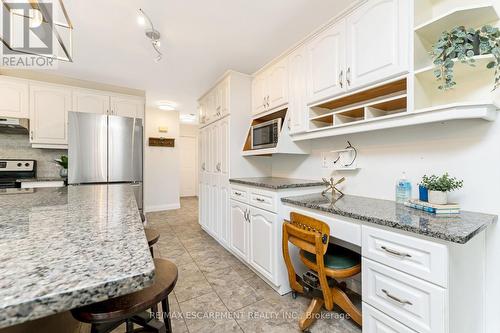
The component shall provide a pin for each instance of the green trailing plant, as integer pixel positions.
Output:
(63, 161)
(458, 45)
(445, 183)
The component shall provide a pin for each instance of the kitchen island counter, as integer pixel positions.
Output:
(62, 248)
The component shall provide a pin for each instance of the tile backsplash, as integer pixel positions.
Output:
(18, 146)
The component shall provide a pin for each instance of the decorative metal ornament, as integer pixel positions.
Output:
(153, 35)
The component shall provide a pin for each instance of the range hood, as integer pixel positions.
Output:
(14, 125)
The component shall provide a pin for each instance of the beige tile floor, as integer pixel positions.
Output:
(215, 292)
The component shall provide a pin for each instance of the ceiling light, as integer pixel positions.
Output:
(152, 34)
(166, 106)
(188, 118)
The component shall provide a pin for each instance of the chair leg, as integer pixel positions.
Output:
(130, 326)
(166, 315)
(308, 318)
(340, 298)
(152, 251)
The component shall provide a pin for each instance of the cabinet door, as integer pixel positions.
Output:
(325, 64)
(14, 98)
(262, 242)
(210, 106)
(90, 101)
(378, 35)
(277, 90)
(239, 229)
(224, 211)
(49, 106)
(259, 93)
(297, 107)
(127, 106)
(224, 148)
(222, 98)
(204, 204)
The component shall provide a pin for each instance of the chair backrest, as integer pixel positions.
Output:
(307, 233)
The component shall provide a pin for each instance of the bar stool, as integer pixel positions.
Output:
(131, 309)
(152, 236)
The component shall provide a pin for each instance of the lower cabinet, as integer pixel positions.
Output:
(239, 229)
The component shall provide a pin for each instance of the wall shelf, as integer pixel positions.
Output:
(480, 61)
(469, 16)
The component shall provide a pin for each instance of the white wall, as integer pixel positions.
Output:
(468, 149)
(161, 165)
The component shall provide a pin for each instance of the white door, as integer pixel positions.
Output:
(49, 106)
(262, 241)
(127, 106)
(239, 229)
(90, 101)
(325, 64)
(278, 84)
(297, 107)
(259, 93)
(188, 163)
(14, 98)
(378, 38)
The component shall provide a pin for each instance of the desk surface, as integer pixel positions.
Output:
(456, 228)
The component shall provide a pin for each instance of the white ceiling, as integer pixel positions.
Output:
(201, 39)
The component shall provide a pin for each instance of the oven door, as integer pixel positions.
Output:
(265, 135)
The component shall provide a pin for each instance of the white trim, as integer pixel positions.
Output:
(159, 208)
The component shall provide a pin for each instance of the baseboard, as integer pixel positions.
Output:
(159, 208)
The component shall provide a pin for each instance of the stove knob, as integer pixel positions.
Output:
(19, 164)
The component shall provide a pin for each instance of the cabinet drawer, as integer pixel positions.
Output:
(418, 257)
(375, 321)
(240, 194)
(411, 301)
(263, 199)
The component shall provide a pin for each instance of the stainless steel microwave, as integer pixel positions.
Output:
(265, 135)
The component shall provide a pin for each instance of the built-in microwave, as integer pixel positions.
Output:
(265, 135)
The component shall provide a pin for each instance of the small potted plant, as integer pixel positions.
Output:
(63, 162)
(439, 187)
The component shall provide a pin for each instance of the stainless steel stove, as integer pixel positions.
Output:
(11, 170)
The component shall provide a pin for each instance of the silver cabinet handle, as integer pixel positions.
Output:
(397, 253)
(218, 167)
(348, 76)
(264, 103)
(203, 166)
(237, 193)
(268, 101)
(289, 124)
(260, 200)
(32, 135)
(397, 299)
(341, 78)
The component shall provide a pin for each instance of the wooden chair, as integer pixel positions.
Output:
(152, 237)
(131, 309)
(329, 262)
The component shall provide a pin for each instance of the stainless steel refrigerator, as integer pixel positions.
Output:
(105, 149)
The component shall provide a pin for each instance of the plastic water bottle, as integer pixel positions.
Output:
(403, 190)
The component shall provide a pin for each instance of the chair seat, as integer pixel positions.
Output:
(336, 258)
(152, 236)
(125, 306)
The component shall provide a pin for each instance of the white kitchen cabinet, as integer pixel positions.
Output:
(239, 229)
(326, 63)
(297, 107)
(126, 106)
(222, 98)
(49, 106)
(270, 88)
(90, 101)
(262, 238)
(377, 41)
(14, 98)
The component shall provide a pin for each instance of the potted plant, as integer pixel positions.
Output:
(63, 162)
(439, 187)
(461, 44)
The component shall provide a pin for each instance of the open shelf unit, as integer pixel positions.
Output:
(373, 103)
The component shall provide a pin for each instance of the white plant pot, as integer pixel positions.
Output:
(438, 197)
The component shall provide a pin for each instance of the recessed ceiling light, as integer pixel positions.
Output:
(166, 106)
(188, 118)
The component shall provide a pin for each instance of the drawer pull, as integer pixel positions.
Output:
(260, 200)
(399, 254)
(394, 298)
(237, 193)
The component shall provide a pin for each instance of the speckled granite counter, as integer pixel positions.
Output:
(457, 228)
(276, 183)
(41, 179)
(61, 248)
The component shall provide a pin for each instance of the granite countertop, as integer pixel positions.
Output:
(62, 248)
(41, 179)
(277, 183)
(458, 228)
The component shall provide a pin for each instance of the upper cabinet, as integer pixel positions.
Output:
(126, 106)
(49, 106)
(90, 101)
(270, 88)
(215, 104)
(368, 46)
(14, 98)
(326, 63)
(297, 106)
(378, 39)
(222, 98)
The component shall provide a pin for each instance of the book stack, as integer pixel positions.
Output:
(432, 208)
